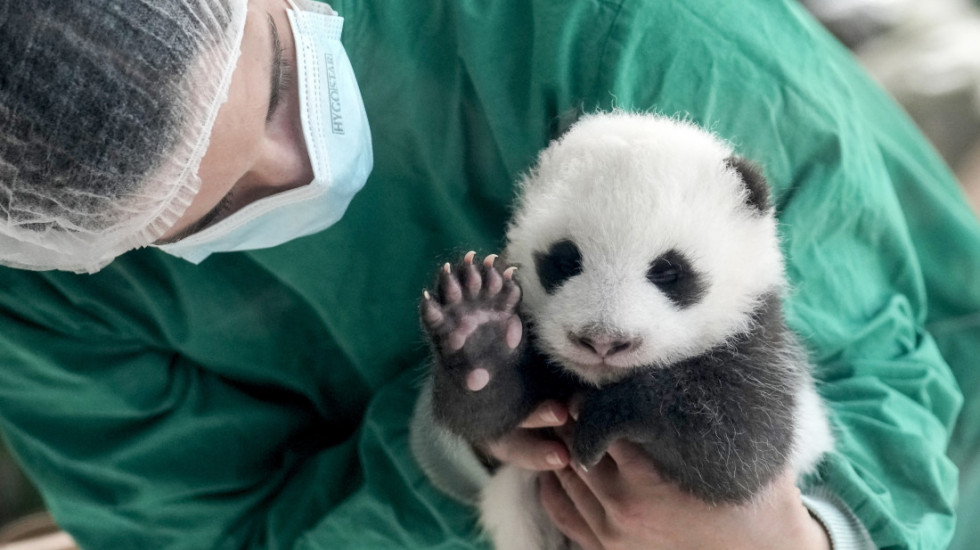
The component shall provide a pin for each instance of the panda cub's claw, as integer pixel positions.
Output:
(430, 310)
(450, 291)
(470, 277)
(510, 294)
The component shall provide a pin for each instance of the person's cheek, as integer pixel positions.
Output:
(285, 161)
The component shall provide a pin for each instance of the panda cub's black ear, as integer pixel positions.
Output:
(755, 182)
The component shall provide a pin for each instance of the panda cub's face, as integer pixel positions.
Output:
(640, 241)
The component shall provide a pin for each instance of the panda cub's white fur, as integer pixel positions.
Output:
(607, 218)
(626, 188)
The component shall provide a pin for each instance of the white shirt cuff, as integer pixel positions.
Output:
(845, 530)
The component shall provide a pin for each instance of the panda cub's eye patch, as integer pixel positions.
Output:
(673, 274)
(562, 262)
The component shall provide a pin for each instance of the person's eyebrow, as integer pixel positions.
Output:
(278, 71)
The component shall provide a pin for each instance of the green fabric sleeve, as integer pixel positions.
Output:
(946, 236)
(173, 456)
(397, 506)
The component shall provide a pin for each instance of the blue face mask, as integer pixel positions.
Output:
(338, 141)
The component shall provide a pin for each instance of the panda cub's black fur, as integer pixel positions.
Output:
(649, 286)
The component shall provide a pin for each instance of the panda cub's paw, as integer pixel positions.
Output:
(477, 336)
(469, 301)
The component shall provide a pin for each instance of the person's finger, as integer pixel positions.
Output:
(583, 498)
(548, 415)
(563, 513)
(604, 480)
(632, 462)
(624, 467)
(526, 450)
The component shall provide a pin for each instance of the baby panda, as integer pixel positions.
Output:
(648, 288)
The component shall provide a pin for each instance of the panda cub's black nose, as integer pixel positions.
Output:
(604, 345)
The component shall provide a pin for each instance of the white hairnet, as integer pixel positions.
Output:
(106, 107)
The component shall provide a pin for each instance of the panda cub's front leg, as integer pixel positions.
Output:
(476, 335)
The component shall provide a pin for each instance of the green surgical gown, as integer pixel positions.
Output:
(262, 399)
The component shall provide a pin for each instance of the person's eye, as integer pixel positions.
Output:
(286, 78)
(281, 72)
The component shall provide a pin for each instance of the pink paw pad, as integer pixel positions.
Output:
(477, 379)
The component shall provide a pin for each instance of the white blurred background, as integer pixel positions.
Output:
(926, 53)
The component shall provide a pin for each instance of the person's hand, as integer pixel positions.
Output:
(525, 448)
(622, 503)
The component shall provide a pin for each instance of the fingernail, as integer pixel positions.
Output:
(581, 467)
(549, 416)
(554, 459)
